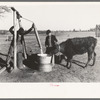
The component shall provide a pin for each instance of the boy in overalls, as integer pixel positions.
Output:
(20, 47)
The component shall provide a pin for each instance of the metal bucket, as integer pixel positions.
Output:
(45, 67)
(44, 62)
(44, 59)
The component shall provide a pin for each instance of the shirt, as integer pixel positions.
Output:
(50, 41)
(50, 44)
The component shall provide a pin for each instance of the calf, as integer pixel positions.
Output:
(75, 46)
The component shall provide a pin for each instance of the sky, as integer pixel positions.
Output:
(54, 15)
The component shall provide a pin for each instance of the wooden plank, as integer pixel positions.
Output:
(2, 70)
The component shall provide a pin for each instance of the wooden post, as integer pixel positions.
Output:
(53, 60)
(25, 50)
(38, 39)
(15, 38)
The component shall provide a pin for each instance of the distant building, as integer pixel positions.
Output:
(97, 31)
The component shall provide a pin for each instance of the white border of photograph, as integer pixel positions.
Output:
(49, 90)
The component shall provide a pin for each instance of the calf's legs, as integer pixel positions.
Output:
(69, 62)
(94, 58)
(90, 57)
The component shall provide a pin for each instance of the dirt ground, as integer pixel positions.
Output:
(59, 73)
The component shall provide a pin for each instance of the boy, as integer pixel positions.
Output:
(50, 42)
(20, 46)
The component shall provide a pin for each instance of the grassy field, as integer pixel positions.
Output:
(59, 73)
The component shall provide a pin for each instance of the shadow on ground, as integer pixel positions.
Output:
(31, 62)
(2, 61)
(79, 63)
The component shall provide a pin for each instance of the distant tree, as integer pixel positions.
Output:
(4, 9)
(74, 30)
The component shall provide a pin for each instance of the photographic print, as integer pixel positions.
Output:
(49, 42)
(49, 49)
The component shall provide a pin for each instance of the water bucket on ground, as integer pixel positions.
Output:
(45, 67)
(44, 62)
(44, 58)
